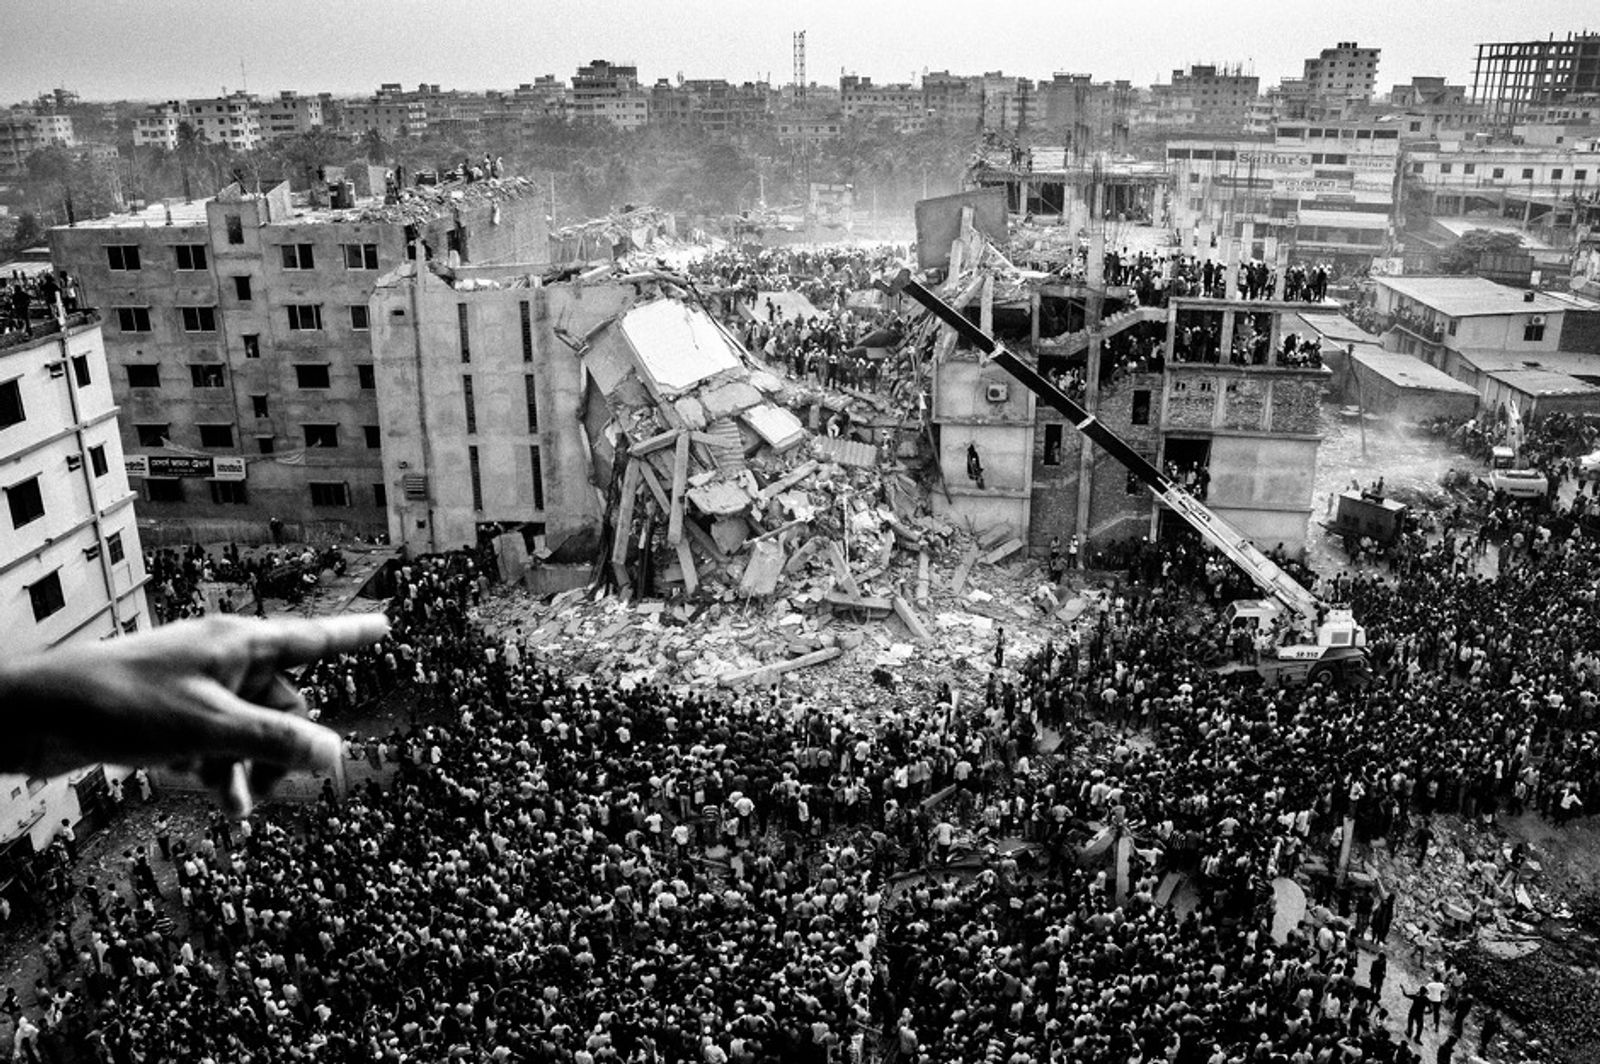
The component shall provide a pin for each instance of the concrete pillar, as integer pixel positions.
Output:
(1092, 306)
(1226, 349)
(1247, 242)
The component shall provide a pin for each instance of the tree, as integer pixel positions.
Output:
(1463, 256)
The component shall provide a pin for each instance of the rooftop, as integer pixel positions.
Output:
(1408, 371)
(1467, 297)
(1567, 363)
(1543, 382)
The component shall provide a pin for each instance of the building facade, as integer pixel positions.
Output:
(290, 115)
(1550, 190)
(71, 567)
(1344, 72)
(1511, 76)
(239, 338)
(481, 394)
(608, 92)
(1220, 96)
(23, 132)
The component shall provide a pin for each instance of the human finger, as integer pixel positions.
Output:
(240, 730)
(289, 642)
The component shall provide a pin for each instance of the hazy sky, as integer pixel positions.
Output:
(170, 48)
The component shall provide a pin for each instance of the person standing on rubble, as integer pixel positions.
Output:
(974, 465)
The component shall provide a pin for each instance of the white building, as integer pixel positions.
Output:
(234, 120)
(70, 564)
(23, 132)
(1343, 72)
(290, 115)
(157, 127)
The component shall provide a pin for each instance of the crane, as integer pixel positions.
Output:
(1337, 639)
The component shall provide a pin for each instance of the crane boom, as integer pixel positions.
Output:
(1262, 570)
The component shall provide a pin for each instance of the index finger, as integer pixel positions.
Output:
(301, 641)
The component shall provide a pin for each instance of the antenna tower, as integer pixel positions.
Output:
(800, 65)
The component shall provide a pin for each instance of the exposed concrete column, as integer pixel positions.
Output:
(1274, 338)
(1225, 345)
(1093, 306)
(1033, 318)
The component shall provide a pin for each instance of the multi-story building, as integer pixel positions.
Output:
(23, 132)
(1323, 190)
(233, 120)
(290, 115)
(238, 333)
(157, 126)
(607, 92)
(1344, 72)
(1221, 96)
(802, 126)
(389, 117)
(711, 105)
(862, 102)
(1087, 115)
(71, 568)
(1550, 190)
(1511, 76)
(479, 393)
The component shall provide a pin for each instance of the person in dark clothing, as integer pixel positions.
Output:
(1417, 1013)
(1489, 1032)
(1447, 1050)
(1377, 974)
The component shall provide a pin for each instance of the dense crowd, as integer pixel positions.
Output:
(566, 870)
(28, 300)
(177, 577)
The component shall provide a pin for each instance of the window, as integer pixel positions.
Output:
(380, 495)
(1533, 331)
(199, 319)
(1416, 168)
(1451, 328)
(477, 482)
(1140, 414)
(235, 226)
(365, 376)
(122, 256)
(461, 327)
(298, 257)
(322, 435)
(151, 435)
(530, 390)
(114, 549)
(144, 376)
(133, 319)
(258, 405)
(26, 501)
(538, 477)
(360, 256)
(80, 370)
(472, 409)
(265, 444)
(216, 435)
(229, 492)
(304, 317)
(1555, 175)
(46, 595)
(1527, 173)
(97, 460)
(311, 376)
(1580, 175)
(527, 332)
(241, 289)
(252, 345)
(190, 256)
(11, 412)
(358, 318)
(1499, 171)
(373, 435)
(205, 375)
(1469, 168)
(163, 489)
(329, 493)
(1445, 168)
(1052, 444)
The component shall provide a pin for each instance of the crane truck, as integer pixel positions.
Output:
(1325, 643)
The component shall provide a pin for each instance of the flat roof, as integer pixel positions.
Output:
(1543, 382)
(154, 216)
(1461, 226)
(1410, 372)
(1495, 360)
(1331, 326)
(678, 346)
(1468, 297)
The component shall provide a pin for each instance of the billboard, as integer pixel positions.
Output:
(223, 467)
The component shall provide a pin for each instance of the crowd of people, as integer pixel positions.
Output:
(562, 869)
(28, 301)
(177, 577)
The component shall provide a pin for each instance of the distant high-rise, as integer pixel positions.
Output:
(1342, 72)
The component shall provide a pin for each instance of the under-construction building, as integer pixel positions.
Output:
(1511, 77)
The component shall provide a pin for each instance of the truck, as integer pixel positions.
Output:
(1507, 474)
(1363, 515)
(1322, 643)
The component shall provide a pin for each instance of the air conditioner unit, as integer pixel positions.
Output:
(57, 370)
(997, 391)
(91, 553)
(74, 462)
(1537, 319)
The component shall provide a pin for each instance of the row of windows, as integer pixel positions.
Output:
(48, 599)
(127, 258)
(25, 499)
(237, 493)
(301, 317)
(308, 375)
(1556, 174)
(159, 434)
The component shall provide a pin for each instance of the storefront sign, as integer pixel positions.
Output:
(184, 465)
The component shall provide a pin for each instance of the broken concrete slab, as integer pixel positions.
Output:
(676, 345)
(764, 674)
(1004, 550)
(958, 579)
(846, 452)
(729, 399)
(845, 601)
(765, 382)
(691, 412)
(777, 427)
(719, 498)
(908, 617)
(729, 532)
(761, 573)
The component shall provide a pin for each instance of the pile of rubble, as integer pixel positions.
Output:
(628, 231)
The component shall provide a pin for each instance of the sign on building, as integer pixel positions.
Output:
(185, 465)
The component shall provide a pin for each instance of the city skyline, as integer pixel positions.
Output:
(288, 44)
